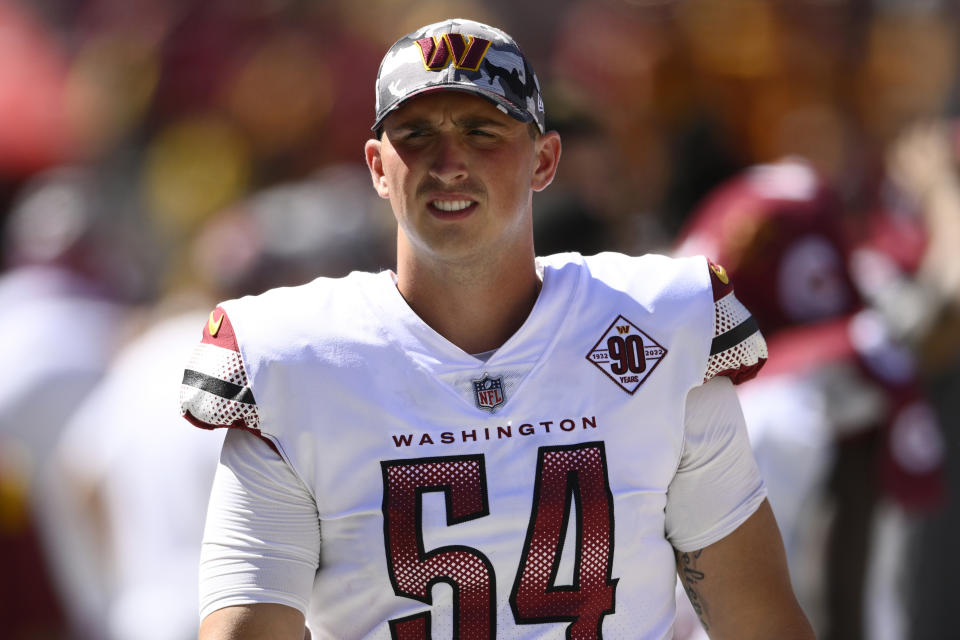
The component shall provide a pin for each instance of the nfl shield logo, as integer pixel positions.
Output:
(488, 392)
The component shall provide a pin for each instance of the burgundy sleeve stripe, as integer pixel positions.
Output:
(218, 387)
(734, 336)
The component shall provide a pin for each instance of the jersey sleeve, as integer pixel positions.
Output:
(738, 349)
(215, 391)
(718, 484)
(261, 542)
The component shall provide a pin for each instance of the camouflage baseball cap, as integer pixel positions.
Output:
(460, 55)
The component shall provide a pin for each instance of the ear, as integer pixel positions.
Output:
(547, 149)
(372, 151)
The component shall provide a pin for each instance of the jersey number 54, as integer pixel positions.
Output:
(564, 474)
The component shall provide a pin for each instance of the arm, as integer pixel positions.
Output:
(261, 546)
(264, 621)
(739, 586)
(730, 557)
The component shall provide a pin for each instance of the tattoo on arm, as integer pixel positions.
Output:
(691, 576)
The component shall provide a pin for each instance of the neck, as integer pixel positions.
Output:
(477, 307)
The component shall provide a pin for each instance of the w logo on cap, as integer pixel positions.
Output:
(466, 52)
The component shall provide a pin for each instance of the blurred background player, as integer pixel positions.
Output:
(63, 310)
(906, 264)
(131, 485)
(837, 419)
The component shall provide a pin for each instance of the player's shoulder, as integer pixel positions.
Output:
(286, 315)
(645, 277)
(317, 293)
(623, 270)
(243, 336)
(690, 290)
(675, 291)
(692, 295)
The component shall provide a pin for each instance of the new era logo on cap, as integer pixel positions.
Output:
(460, 55)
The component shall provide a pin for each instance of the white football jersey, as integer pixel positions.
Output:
(539, 493)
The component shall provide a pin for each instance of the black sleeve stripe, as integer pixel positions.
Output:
(734, 337)
(218, 387)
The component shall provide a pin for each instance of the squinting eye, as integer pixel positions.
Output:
(481, 132)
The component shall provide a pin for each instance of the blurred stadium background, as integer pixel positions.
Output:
(159, 155)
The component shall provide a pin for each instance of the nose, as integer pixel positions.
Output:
(449, 164)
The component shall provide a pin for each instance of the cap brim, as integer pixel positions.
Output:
(499, 101)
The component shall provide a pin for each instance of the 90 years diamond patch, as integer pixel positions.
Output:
(626, 354)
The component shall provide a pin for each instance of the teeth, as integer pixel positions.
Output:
(451, 205)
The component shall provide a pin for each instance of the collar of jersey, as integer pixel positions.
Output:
(528, 346)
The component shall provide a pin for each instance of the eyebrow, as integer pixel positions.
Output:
(470, 121)
(412, 123)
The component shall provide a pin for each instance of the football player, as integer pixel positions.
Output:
(483, 443)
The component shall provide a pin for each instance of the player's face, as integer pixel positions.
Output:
(460, 175)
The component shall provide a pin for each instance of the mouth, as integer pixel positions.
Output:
(451, 209)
